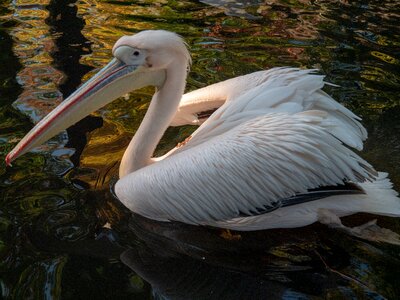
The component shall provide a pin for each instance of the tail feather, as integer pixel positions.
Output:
(379, 199)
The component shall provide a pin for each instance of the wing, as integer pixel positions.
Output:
(196, 106)
(276, 90)
(255, 164)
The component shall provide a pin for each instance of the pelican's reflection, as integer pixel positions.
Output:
(180, 261)
(189, 262)
(181, 277)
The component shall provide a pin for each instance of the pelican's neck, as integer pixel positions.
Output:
(161, 111)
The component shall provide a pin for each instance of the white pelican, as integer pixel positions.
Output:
(273, 155)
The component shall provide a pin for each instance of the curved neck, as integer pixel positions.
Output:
(161, 111)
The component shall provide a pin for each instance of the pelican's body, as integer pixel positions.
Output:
(272, 155)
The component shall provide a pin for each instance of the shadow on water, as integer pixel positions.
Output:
(71, 45)
(62, 235)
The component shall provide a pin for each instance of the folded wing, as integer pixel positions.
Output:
(236, 171)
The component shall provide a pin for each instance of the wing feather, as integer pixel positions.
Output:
(213, 96)
(276, 90)
(253, 165)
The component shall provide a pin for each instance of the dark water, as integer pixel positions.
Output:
(62, 235)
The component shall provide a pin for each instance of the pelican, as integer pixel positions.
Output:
(274, 153)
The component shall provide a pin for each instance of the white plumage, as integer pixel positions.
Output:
(275, 138)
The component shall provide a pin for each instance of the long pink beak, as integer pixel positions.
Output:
(108, 84)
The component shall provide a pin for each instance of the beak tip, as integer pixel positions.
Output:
(8, 159)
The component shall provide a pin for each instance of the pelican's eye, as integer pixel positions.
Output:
(130, 55)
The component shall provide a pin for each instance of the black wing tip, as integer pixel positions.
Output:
(347, 188)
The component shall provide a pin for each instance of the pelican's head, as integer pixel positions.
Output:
(154, 49)
(139, 60)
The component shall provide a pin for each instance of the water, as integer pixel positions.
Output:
(56, 209)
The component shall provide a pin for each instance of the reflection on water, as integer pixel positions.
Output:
(32, 45)
(203, 265)
(55, 204)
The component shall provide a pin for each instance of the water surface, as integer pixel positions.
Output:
(62, 233)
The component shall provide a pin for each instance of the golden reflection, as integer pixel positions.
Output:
(32, 16)
(103, 153)
(32, 44)
(30, 3)
(385, 57)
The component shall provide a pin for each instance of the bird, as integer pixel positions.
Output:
(272, 149)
